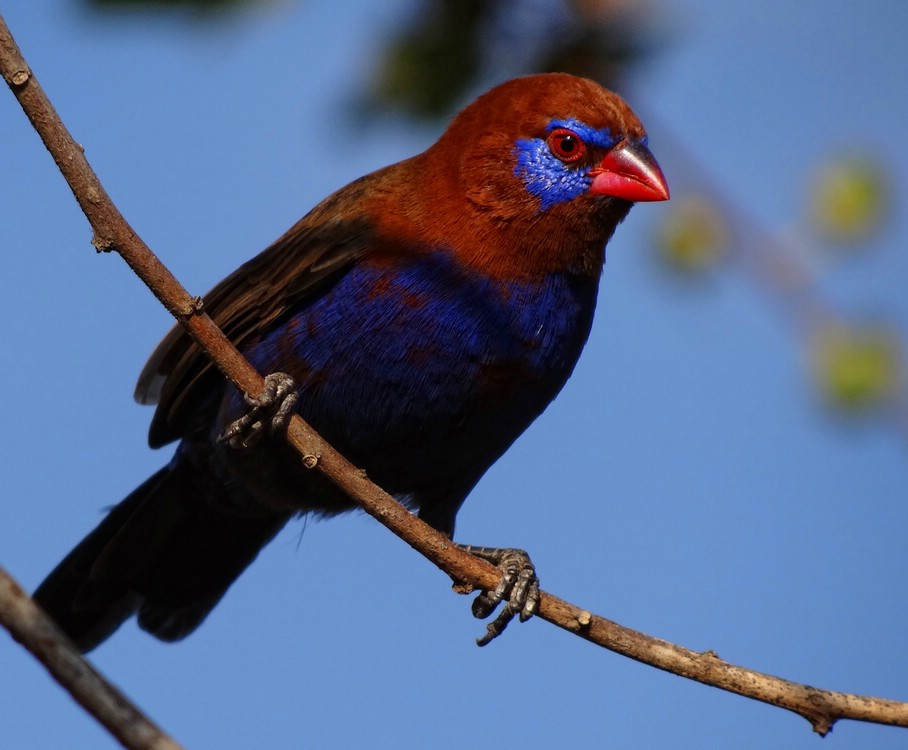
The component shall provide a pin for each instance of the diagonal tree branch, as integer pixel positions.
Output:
(28, 624)
(112, 233)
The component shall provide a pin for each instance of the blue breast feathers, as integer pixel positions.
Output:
(390, 350)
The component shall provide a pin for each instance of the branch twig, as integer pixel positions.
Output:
(28, 624)
(111, 233)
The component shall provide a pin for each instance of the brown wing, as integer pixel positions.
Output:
(299, 265)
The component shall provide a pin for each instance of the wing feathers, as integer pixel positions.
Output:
(293, 270)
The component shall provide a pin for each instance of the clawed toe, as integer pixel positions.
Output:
(271, 411)
(518, 588)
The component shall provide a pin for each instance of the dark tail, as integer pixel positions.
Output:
(165, 553)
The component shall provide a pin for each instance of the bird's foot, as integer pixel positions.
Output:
(518, 589)
(271, 411)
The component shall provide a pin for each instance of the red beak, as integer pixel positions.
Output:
(629, 171)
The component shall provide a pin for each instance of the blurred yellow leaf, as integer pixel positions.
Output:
(849, 199)
(693, 237)
(857, 368)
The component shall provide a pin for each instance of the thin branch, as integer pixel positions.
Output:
(28, 624)
(111, 233)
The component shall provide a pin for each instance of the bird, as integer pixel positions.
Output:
(419, 319)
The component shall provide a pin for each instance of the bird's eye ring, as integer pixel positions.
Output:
(566, 145)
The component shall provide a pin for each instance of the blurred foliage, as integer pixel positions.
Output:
(602, 40)
(435, 59)
(693, 236)
(446, 49)
(858, 368)
(849, 200)
(201, 7)
(448, 46)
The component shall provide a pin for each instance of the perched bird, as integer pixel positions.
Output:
(422, 317)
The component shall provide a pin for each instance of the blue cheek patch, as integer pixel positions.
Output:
(547, 177)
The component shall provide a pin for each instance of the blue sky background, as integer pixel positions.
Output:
(686, 483)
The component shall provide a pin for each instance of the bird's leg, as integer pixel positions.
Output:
(518, 588)
(270, 412)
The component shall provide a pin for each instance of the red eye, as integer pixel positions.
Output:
(566, 145)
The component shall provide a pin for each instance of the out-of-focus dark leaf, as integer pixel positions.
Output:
(451, 45)
(601, 40)
(435, 59)
(201, 7)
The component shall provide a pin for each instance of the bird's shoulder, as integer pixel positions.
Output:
(299, 266)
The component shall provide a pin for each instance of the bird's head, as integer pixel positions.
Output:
(552, 160)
